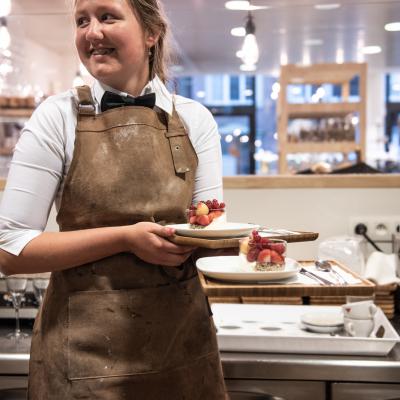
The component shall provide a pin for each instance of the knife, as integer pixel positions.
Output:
(316, 277)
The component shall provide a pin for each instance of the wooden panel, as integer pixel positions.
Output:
(313, 181)
(327, 147)
(234, 242)
(321, 110)
(216, 288)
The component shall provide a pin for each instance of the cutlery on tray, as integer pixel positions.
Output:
(326, 266)
(316, 278)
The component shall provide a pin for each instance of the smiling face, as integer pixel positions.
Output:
(112, 44)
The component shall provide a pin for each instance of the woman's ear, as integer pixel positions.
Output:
(152, 39)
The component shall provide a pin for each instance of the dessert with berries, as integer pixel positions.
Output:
(263, 254)
(207, 214)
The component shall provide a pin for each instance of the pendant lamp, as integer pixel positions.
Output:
(250, 52)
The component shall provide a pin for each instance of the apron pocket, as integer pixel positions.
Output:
(137, 331)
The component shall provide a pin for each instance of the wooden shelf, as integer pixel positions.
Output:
(338, 74)
(321, 110)
(319, 74)
(323, 147)
(16, 112)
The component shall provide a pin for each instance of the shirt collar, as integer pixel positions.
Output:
(163, 96)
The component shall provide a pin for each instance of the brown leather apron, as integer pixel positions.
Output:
(121, 328)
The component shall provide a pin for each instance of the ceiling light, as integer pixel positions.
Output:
(250, 47)
(371, 49)
(392, 27)
(239, 31)
(247, 67)
(243, 5)
(339, 55)
(228, 138)
(239, 54)
(313, 42)
(5, 8)
(327, 7)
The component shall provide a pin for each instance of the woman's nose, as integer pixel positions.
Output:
(94, 31)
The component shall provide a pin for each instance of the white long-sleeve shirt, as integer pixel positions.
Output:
(44, 152)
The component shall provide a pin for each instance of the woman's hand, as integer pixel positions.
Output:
(149, 242)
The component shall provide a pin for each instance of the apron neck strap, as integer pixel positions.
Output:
(86, 104)
(174, 124)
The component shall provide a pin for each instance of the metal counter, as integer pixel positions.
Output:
(14, 361)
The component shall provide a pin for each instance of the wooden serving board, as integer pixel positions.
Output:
(226, 243)
(220, 289)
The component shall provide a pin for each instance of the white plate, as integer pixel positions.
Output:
(230, 268)
(322, 322)
(228, 229)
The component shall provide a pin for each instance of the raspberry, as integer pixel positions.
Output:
(278, 247)
(252, 254)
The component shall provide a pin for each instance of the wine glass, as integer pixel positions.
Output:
(39, 288)
(16, 286)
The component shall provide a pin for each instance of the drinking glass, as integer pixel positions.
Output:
(16, 286)
(39, 288)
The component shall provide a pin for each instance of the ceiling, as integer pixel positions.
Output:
(202, 31)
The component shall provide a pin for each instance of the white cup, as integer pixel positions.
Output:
(359, 327)
(359, 310)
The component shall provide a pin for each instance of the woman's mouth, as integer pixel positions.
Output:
(101, 52)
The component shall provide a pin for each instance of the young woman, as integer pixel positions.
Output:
(124, 316)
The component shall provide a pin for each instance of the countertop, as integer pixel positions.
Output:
(14, 361)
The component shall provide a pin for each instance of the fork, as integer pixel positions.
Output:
(316, 277)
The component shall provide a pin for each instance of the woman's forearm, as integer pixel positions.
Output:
(52, 251)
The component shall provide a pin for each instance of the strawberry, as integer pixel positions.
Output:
(202, 208)
(193, 219)
(252, 254)
(217, 213)
(276, 258)
(278, 247)
(203, 220)
(264, 256)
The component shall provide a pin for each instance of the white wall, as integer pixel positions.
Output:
(326, 211)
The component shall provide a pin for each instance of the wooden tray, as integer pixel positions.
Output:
(214, 288)
(227, 243)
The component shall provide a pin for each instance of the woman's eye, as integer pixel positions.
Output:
(107, 17)
(81, 21)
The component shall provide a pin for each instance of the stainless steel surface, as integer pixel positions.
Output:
(293, 390)
(365, 391)
(315, 367)
(14, 360)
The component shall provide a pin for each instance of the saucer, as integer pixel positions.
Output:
(322, 322)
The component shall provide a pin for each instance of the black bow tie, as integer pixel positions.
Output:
(113, 100)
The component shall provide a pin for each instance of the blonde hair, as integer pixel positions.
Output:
(152, 17)
(153, 20)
